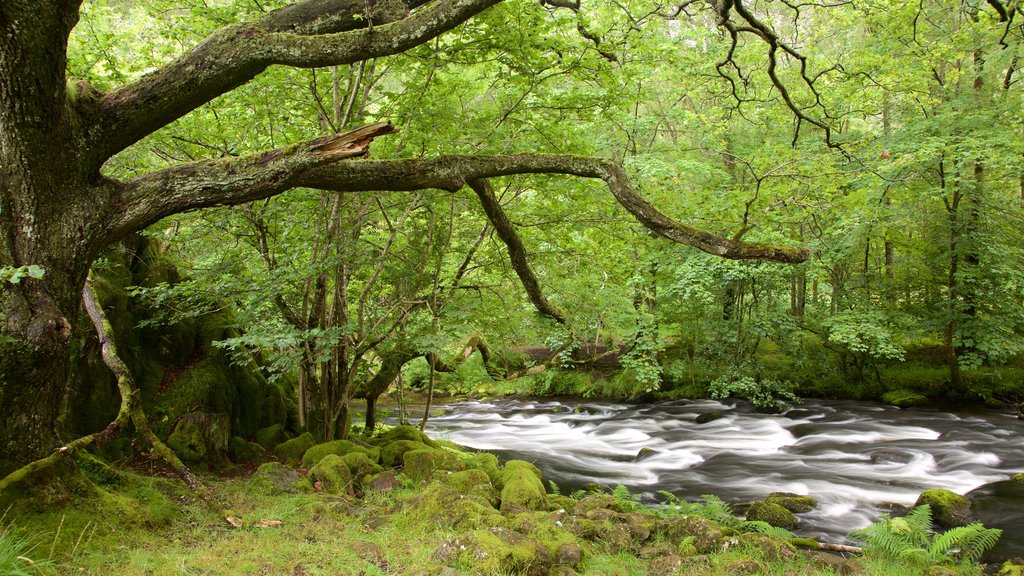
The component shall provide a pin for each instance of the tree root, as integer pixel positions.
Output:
(130, 411)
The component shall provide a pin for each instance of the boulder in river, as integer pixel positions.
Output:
(792, 502)
(709, 417)
(890, 456)
(773, 514)
(997, 505)
(949, 509)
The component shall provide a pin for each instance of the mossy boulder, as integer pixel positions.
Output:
(270, 436)
(1019, 477)
(488, 463)
(201, 437)
(792, 502)
(473, 483)
(949, 509)
(771, 549)
(594, 502)
(773, 514)
(904, 398)
(276, 478)
(420, 465)
(441, 505)
(559, 502)
(498, 551)
(385, 481)
(291, 451)
(521, 486)
(243, 451)
(404, 433)
(333, 475)
(705, 535)
(393, 454)
(360, 464)
(337, 447)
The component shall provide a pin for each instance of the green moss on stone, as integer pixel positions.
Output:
(522, 486)
(474, 483)
(439, 505)
(904, 398)
(333, 474)
(360, 464)
(949, 509)
(773, 514)
(393, 454)
(792, 502)
(291, 452)
(337, 447)
(404, 433)
(420, 465)
(274, 478)
(241, 450)
(199, 437)
(270, 436)
(486, 462)
(705, 535)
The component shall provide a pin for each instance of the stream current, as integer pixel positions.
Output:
(855, 458)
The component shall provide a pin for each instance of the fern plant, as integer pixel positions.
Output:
(628, 502)
(911, 538)
(767, 529)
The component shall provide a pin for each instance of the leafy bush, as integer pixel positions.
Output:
(763, 393)
(910, 538)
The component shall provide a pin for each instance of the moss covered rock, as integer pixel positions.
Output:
(275, 478)
(773, 514)
(473, 483)
(243, 451)
(486, 462)
(404, 433)
(393, 454)
(360, 464)
(440, 505)
(705, 535)
(594, 502)
(337, 447)
(333, 475)
(792, 502)
(949, 509)
(291, 452)
(201, 437)
(768, 548)
(1018, 477)
(498, 551)
(420, 465)
(270, 436)
(521, 486)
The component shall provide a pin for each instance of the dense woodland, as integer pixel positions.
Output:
(336, 199)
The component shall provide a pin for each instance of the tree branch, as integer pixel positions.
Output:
(309, 34)
(239, 180)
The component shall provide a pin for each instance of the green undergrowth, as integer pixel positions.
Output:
(472, 515)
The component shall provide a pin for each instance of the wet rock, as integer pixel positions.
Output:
(890, 456)
(644, 454)
(798, 414)
(949, 509)
(997, 505)
(709, 417)
(773, 514)
(792, 502)
(290, 452)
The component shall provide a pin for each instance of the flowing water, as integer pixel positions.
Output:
(857, 459)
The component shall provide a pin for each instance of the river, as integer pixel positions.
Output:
(855, 458)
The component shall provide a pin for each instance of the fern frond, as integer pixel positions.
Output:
(920, 518)
(767, 529)
(967, 543)
(578, 494)
(553, 488)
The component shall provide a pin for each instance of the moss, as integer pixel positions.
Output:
(333, 474)
(498, 551)
(594, 502)
(792, 502)
(420, 465)
(904, 398)
(522, 486)
(473, 483)
(241, 450)
(808, 543)
(558, 502)
(393, 454)
(704, 535)
(949, 509)
(403, 433)
(768, 548)
(337, 447)
(199, 437)
(274, 478)
(360, 464)
(270, 436)
(439, 505)
(486, 462)
(773, 514)
(1018, 477)
(291, 452)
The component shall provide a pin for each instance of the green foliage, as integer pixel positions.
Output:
(910, 537)
(16, 275)
(763, 393)
(17, 552)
